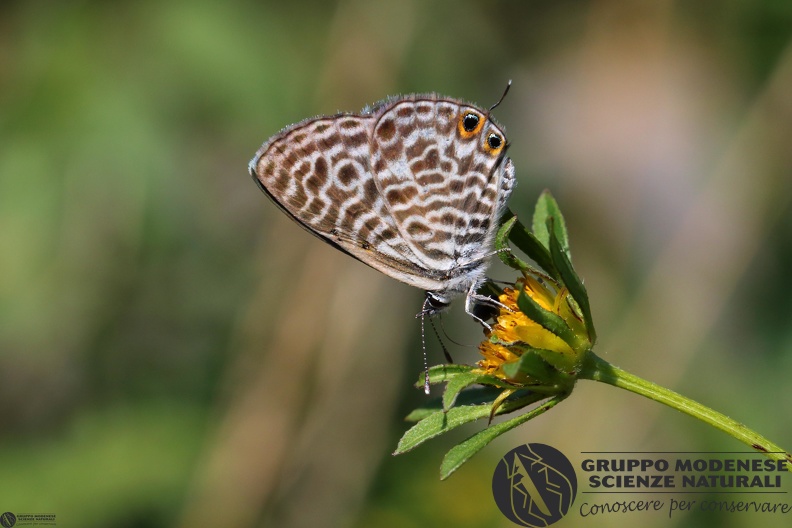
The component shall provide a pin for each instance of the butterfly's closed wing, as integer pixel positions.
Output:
(441, 168)
(318, 172)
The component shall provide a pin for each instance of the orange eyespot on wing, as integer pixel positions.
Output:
(494, 143)
(470, 124)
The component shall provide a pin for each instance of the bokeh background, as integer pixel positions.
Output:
(175, 352)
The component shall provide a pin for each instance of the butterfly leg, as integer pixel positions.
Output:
(472, 297)
(489, 301)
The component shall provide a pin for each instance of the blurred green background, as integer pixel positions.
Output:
(175, 352)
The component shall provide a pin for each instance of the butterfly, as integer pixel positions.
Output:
(412, 186)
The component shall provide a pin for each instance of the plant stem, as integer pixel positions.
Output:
(597, 369)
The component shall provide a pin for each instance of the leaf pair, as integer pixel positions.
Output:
(457, 408)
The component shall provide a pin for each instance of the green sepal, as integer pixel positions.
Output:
(498, 402)
(546, 209)
(550, 321)
(441, 421)
(504, 251)
(571, 281)
(526, 242)
(534, 365)
(461, 453)
(566, 366)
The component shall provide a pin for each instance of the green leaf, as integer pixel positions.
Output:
(547, 208)
(441, 422)
(526, 242)
(442, 373)
(455, 385)
(438, 423)
(461, 453)
(546, 319)
(572, 282)
(473, 396)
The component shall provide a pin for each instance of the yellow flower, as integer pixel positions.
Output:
(495, 356)
(514, 330)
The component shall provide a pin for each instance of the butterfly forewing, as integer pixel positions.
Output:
(318, 172)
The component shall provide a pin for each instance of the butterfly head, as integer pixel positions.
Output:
(434, 303)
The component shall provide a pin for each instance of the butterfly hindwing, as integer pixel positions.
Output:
(439, 181)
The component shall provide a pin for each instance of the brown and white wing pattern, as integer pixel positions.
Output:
(318, 172)
(440, 166)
